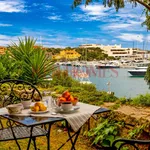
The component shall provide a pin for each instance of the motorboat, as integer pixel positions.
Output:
(138, 71)
(76, 64)
(105, 66)
(67, 63)
(138, 68)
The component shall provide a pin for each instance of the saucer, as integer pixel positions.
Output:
(73, 109)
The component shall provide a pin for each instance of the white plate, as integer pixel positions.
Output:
(73, 109)
(39, 112)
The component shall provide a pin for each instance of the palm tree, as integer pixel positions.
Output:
(36, 65)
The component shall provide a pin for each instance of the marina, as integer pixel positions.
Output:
(119, 79)
(106, 64)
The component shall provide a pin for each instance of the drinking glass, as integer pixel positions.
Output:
(46, 101)
(53, 106)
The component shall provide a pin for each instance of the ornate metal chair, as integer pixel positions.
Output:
(13, 91)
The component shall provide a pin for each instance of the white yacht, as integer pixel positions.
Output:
(138, 71)
(107, 65)
(138, 68)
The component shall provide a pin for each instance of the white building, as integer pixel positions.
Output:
(118, 51)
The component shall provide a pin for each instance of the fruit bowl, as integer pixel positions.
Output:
(15, 108)
(67, 97)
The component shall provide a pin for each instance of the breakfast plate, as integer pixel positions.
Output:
(38, 112)
(72, 110)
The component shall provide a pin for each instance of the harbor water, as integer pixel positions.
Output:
(116, 80)
(121, 83)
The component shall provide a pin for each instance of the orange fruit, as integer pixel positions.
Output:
(62, 99)
(36, 108)
(37, 104)
(70, 98)
(43, 108)
(66, 94)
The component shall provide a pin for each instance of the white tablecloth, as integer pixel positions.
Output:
(76, 119)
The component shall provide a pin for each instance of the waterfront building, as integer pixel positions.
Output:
(67, 55)
(118, 51)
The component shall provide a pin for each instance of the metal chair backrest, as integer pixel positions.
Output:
(13, 91)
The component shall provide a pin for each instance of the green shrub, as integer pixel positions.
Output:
(61, 78)
(105, 132)
(88, 87)
(143, 100)
(10, 69)
(76, 89)
(108, 97)
(59, 89)
(3, 72)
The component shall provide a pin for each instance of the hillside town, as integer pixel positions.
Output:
(116, 51)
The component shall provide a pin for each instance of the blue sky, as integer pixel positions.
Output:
(54, 24)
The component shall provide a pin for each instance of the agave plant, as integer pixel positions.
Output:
(36, 64)
(38, 67)
(22, 50)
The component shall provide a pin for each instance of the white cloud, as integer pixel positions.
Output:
(129, 25)
(5, 25)
(53, 45)
(52, 38)
(12, 6)
(80, 17)
(48, 6)
(86, 18)
(148, 37)
(131, 37)
(6, 39)
(126, 20)
(54, 17)
(95, 9)
(127, 15)
(93, 12)
(117, 26)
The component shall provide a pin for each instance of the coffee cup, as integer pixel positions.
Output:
(66, 106)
